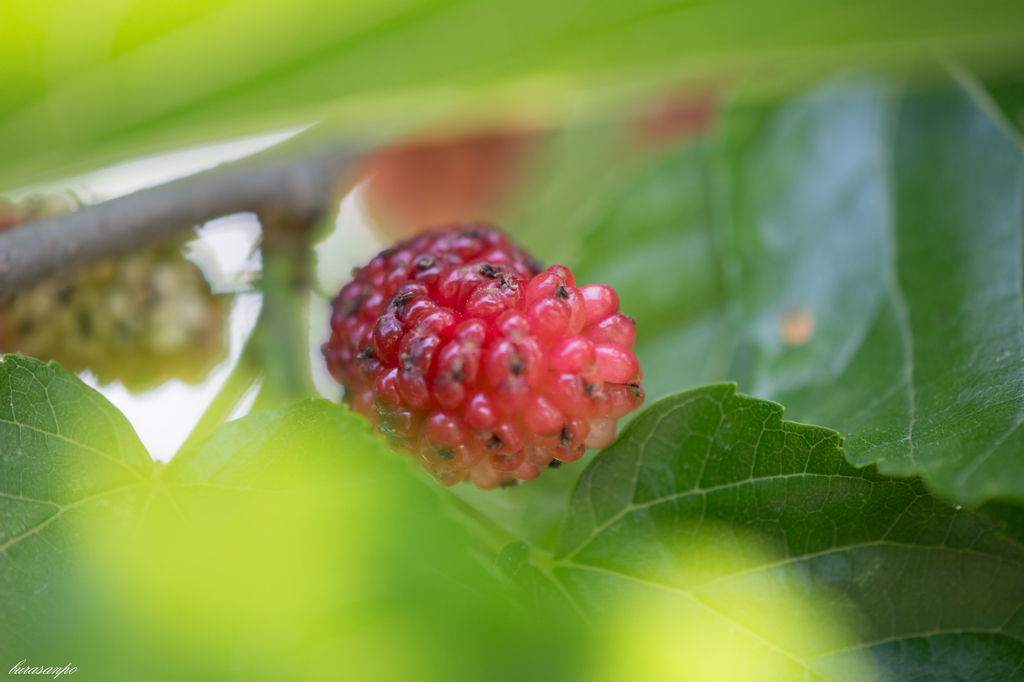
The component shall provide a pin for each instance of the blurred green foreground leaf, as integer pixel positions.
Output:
(712, 540)
(289, 545)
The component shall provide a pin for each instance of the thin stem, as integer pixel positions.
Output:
(243, 375)
(495, 538)
(278, 347)
(282, 336)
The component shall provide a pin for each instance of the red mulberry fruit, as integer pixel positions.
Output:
(461, 350)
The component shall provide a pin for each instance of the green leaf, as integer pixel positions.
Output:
(730, 525)
(67, 459)
(86, 84)
(533, 585)
(877, 247)
(288, 544)
(888, 222)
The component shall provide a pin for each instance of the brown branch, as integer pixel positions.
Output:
(38, 250)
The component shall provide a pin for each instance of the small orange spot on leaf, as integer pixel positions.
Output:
(796, 327)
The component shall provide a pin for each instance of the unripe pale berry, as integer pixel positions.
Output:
(141, 318)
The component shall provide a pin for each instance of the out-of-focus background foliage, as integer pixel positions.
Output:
(821, 201)
(87, 84)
